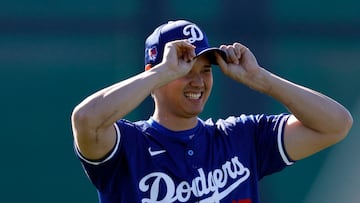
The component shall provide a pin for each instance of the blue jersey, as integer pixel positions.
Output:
(218, 161)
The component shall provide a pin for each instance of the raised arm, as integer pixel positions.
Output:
(317, 121)
(93, 119)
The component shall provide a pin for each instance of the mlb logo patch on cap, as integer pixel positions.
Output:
(177, 30)
(152, 53)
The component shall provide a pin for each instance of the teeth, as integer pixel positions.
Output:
(193, 95)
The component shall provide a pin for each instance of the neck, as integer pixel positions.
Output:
(176, 123)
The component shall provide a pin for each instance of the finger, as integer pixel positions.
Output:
(183, 44)
(232, 55)
(225, 49)
(190, 51)
(241, 49)
(220, 61)
(238, 47)
(189, 54)
(185, 50)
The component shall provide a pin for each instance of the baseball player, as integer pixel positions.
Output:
(175, 156)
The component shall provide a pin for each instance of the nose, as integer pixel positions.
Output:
(196, 80)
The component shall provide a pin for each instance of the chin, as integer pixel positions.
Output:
(194, 113)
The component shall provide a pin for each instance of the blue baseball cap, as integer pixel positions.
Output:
(178, 30)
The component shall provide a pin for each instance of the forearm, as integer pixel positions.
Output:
(318, 120)
(104, 107)
(314, 110)
(101, 109)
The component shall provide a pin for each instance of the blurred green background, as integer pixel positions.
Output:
(55, 53)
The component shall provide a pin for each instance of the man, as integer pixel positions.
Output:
(175, 156)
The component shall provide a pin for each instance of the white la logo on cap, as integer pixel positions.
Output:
(195, 33)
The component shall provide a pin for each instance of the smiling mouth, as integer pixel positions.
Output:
(193, 95)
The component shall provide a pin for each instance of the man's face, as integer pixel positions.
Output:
(186, 96)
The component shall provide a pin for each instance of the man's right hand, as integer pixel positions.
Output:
(179, 57)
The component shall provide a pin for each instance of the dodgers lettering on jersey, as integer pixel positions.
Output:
(199, 186)
(213, 162)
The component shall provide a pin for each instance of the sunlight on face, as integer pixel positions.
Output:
(186, 96)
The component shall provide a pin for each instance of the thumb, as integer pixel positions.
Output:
(220, 61)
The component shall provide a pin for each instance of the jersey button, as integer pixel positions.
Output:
(190, 152)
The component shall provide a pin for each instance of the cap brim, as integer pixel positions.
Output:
(210, 52)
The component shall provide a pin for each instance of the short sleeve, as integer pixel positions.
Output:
(101, 171)
(269, 143)
(107, 157)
